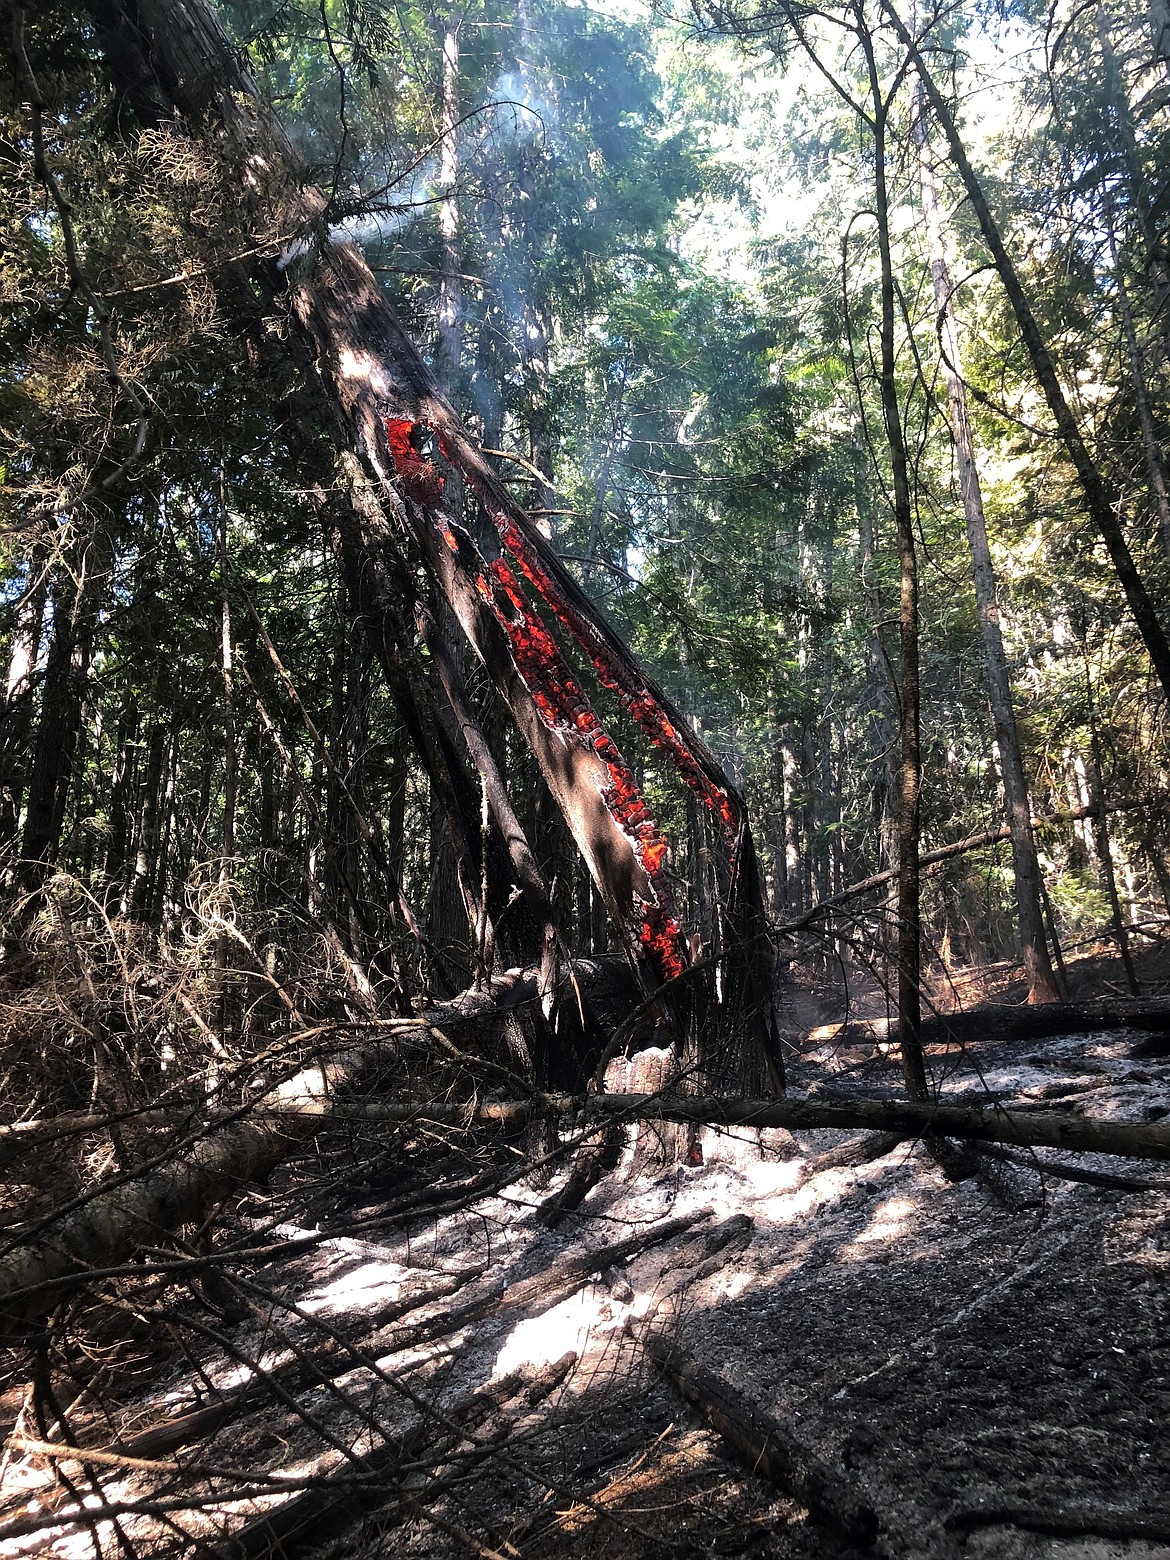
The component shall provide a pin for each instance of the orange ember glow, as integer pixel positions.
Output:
(560, 699)
(420, 478)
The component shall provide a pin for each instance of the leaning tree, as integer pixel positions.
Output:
(411, 491)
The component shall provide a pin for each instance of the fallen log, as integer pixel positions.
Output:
(146, 1205)
(763, 1443)
(36, 1272)
(1023, 1129)
(1005, 1024)
(1098, 1520)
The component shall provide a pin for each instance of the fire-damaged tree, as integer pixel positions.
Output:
(398, 444)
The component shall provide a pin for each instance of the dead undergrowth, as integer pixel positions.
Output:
(388, 1347)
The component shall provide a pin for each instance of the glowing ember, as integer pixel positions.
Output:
(636, 700)
(562, 702)
(420, 478)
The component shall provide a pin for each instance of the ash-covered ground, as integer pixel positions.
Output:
(984, 1362)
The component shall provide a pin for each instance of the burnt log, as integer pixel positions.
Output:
(763, 1444)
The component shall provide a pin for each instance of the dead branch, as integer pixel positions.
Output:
(1066, 1521)
(935, 858)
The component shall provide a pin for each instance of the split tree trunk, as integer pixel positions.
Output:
(175, 57)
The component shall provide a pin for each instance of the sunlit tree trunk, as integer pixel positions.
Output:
(1041, 983)
(225, 906)
(448, 348)
(20, 697)
(1101, 503)
(534, 349)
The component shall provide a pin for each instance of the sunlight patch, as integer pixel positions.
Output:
(368, 1284)
(542, 1340)
(890, 1221)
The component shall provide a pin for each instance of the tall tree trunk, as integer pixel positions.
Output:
(225, 905)
(448, 348)
(534, 348)
(1041, 983)
(881, 688)
(1151, 450)
(16, 716)
(1101, 829)
(909, 732)
(1101, 502)
(142, 889)
(75, 594)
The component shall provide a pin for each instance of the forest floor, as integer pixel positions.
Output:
(985, 1362)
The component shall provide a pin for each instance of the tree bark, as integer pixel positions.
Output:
(909, 723)
(1041, 982)
(908, 1119)
(75, 612)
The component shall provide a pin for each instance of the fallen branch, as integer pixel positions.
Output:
(1066, 1521)
(336, 1356)
(34, 1276)
(763, 1444)
(1024, 1129)
(1003, 1024)
(935, 858)
(1060, 1171)
(173, 1433)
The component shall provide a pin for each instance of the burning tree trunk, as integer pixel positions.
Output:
(173, 59)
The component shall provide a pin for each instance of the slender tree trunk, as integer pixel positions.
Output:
(1101, 829)
(534, 350)
(19, 704)
(121, 789)
(65, 680)
(909, 733)
(1137, 377)
(225, 906)
(1101, 503)
(1041, 983)
(881, 689)
(142, 894)
(448, 350)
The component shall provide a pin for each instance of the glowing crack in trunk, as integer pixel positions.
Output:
(562, 703)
